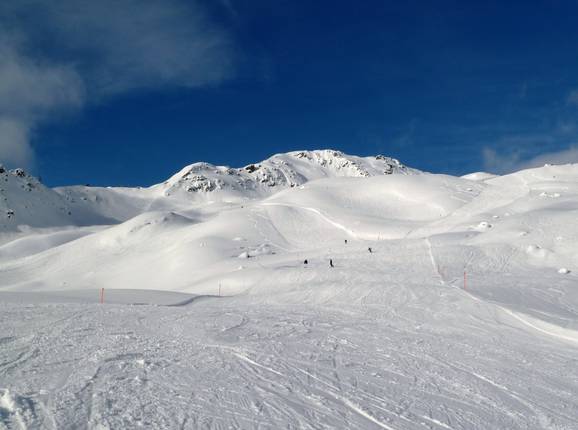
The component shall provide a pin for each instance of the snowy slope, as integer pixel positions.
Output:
(464, 315)
(508, 215)
(158, 246)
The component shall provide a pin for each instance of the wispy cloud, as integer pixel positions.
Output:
(29, 91)
(59, 56)
(555, 143)
(511, 162)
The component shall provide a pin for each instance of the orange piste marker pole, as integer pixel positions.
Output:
(101, 295)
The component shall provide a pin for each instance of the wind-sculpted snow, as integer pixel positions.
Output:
(451, 304)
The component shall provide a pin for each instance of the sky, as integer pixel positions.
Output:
(127, 92)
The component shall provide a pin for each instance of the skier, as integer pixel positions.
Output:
(306, 262)
(331, 263)
(346, 241)
(370, 250)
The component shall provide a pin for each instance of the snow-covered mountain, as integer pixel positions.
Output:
(450, 302)
(279, 172)
(27, 202)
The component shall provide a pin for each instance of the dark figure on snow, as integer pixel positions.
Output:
(331, 263)
(346, 241)
(305, 262)
(370, 250)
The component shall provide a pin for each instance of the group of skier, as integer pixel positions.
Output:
(306, 262)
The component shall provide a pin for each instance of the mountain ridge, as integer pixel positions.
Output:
(280, 171)
(25, 201)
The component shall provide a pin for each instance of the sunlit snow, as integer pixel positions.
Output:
(464, 315)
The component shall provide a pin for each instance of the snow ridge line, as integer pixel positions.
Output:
(525, 321)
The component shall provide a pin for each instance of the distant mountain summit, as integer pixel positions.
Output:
(25, 201)
(278, 172)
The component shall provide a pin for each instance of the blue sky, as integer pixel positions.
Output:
(126, 92)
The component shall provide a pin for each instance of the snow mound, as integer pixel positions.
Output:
(537, 251)
(483, 226)
(263, 249)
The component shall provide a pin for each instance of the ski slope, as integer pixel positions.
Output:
(212, 320)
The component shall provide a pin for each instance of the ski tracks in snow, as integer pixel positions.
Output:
(534, 324)
(267, 367)
(317, 212)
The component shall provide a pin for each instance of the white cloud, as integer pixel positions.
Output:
(28, 88)
(127, 44)
(29, 92)
(565, 156)
(58, 56)
(512, 162)
(15, 142)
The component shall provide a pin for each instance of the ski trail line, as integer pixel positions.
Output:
(434, 264)
(254, 363)
(364, 414)
(317, 212)
(265, 237)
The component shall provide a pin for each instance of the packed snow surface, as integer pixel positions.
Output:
(452, 303)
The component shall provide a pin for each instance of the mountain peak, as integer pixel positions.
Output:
(280, 171)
